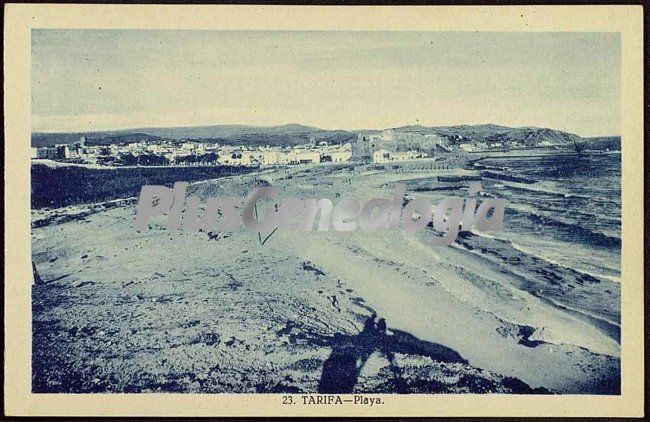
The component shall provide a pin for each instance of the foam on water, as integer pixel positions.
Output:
(574, 207)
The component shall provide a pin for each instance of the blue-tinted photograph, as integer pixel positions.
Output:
(325, 212)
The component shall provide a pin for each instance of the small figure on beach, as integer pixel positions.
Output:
(370, 323)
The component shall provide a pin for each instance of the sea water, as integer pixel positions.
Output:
(570, 215)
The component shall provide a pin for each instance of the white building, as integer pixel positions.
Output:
(385, 156)
(342, 155)
(57, 152)
(369, 137)
(381, 156)
(406, 155)
(294, 156)
(193, 147)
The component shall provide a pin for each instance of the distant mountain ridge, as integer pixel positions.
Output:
(528, 135)
(175, 133)
(227, 131)
(295, 134)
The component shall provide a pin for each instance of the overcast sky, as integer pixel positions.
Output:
(85, 80)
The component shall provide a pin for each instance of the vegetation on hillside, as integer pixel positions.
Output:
(63, 186)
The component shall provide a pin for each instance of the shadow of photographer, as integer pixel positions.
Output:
(350, 353)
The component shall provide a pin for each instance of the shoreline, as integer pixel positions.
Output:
(441, 287)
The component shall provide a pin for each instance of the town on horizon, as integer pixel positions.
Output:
(239, 145)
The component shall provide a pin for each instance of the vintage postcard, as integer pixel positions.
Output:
(264, 210)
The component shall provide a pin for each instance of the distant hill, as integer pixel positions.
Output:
(227, 131)
(295, 134)
(285, 135)
(92, 138)
(528, 135)
(612, 143)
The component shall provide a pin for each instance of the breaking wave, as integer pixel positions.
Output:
(592, 237)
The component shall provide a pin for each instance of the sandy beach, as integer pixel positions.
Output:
(179, 311)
